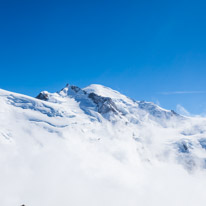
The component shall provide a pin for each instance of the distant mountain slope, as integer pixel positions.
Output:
(77, 144)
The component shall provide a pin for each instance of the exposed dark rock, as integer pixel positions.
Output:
(104, 104)
(43, 96)
(75, 88)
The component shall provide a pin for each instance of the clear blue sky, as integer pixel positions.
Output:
(152, 50)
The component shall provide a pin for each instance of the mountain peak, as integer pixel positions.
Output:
(105, 92)
(69, 90)
(96, 134)
(105, 100)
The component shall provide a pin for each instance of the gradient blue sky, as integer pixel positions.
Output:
(148, 50)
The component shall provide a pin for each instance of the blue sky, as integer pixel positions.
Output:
(148, 50)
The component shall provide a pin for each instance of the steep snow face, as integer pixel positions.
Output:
(106, 92)
(90, 103)
(135, 110)
(95, 146)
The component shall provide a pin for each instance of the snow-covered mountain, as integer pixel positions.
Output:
(95, 146)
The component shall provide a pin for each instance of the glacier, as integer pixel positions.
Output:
(96, 146)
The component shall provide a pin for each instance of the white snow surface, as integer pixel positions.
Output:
(95, 146)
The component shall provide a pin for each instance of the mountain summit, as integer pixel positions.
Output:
(91, 141)
(108, 102)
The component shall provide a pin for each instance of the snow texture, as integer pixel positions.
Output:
(95, 146)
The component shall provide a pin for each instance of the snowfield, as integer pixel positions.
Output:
(97, 147)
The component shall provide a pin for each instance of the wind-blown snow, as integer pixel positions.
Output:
(95, 146)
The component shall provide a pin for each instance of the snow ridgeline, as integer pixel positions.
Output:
(81, 142)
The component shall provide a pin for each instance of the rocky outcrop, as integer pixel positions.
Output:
(43, 96)
(104, 104)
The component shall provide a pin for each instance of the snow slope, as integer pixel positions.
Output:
(95, 146)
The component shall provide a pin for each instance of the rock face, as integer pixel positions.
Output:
(104, 104)
(43, 96)
(107, 105)
(86, 137)
(71, 90)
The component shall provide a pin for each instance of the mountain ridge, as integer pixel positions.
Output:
(105, 98)
(84, 136)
